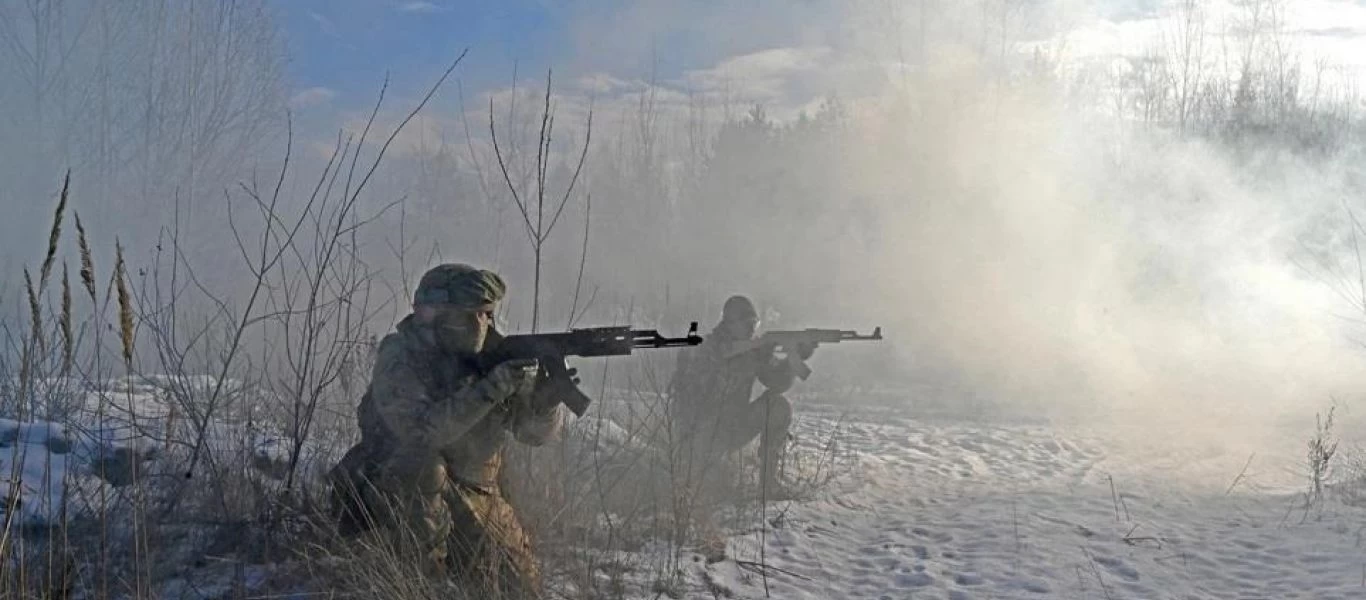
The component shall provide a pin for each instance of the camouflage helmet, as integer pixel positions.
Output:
(460, 285)
(738, 307)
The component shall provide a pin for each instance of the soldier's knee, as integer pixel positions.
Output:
(414, 471)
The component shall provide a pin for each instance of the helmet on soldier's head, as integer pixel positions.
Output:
(459, 285)
(738, 307)
(738, 318)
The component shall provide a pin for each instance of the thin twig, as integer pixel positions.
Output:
(765, 568)
(517, 198)
(1241, 474)
(583, 259)
(1096, 570)
(583, 156)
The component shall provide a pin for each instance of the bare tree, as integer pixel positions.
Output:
(142, 99)
(1188, 43)
(538, 230)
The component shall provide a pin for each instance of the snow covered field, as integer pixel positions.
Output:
(962, 510)
(79, 460)
(959, 507)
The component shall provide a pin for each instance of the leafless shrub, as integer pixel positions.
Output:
(1323, 446)
(312, 296)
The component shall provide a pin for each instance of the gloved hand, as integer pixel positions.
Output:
(511, 378)
(547, 397)
(804, 351)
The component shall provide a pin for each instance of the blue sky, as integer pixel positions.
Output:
(340, 49)
(346, 46)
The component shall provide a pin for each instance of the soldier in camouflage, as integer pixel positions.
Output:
(426, 471)
(712, 412)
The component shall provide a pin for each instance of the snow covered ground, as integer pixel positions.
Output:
(109, 432)
(933, 505)
(47, 467)
(969, 509)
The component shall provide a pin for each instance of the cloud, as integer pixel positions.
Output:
(606, 84)
(421, 7)
(1329, 30)
(762, 66)
(324, 23)
(780, 78)
(311, 97)
(795, 73)
(1338, 32)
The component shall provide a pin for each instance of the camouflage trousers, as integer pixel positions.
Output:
(470, 534)
(704, 437)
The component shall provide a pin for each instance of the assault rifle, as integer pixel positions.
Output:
(550, 350)
(789, 341)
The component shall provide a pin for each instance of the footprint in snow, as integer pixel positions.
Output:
(1037, 587)
(917, 579)
(968, 579)
(941, 538)
(1117, 566)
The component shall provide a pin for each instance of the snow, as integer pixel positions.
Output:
(33, 461)
(928, 504)
(962, 510)
(112, 427)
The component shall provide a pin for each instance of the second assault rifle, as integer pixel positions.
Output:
(550, 350)
(789, 341)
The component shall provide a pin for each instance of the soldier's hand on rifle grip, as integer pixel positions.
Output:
(513, 378)
(549, 394)
(804, 351)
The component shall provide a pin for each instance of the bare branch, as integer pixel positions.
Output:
(497, 152)
(583, 156)
(583, 259)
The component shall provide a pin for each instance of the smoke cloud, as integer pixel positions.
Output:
(1032, 200)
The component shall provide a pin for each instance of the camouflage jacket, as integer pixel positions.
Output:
(424, 399)
(705, 381)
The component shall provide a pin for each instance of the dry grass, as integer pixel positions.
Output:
(156, 531)
(120, 282)
(64, 322)
(55, 234)
(87, 263)
(35, 315)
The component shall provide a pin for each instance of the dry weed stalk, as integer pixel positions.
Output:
(55, 234)
(125, 305)
(35, 314)
(65, 321)
(87, 264)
